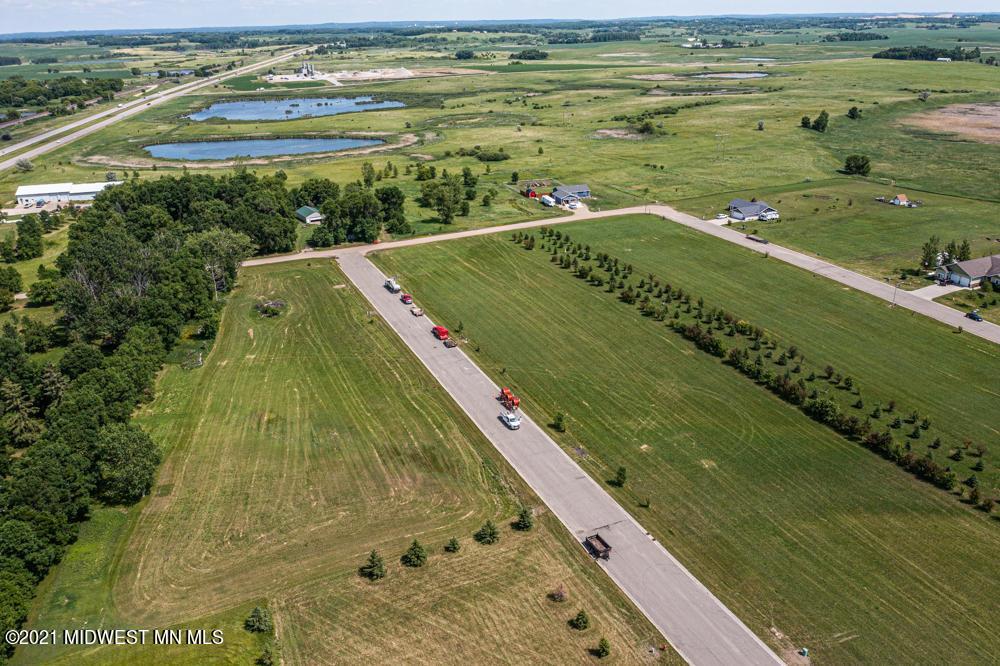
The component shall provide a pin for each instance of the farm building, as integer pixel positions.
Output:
(60, 192)
(901, 200)
(565, 193)
(741, 209)
(309, 215)
(972, 272)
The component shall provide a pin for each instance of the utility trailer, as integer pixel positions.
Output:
(598, 547)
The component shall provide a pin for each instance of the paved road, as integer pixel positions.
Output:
(886, 292)
(48, 139)
(697, 624)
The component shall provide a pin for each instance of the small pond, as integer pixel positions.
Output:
(224, 150)
(732, 75)
(290, 109)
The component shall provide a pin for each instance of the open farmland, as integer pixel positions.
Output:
(796, 529)
(344, 444)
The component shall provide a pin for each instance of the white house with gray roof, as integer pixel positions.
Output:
(972, 272)
(741, 209)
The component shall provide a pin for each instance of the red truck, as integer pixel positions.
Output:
(440, 332)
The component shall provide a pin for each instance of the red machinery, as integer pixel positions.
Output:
(508, 399)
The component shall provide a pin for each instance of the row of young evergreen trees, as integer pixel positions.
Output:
(706, 327)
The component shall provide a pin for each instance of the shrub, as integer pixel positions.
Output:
(259, 621)
(453, 546)
(603, 649)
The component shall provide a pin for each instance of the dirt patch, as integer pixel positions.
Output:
(625, 54)
(976, 122)
(403, 141)
(617, 133)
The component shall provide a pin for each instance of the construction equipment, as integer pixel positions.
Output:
(440, 332)
(393, 286)
(598, 547)
(508, 399)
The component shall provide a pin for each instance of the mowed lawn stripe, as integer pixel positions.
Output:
(792, 526)
(292, 452)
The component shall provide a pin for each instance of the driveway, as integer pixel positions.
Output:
(698, 625)
(932, 291)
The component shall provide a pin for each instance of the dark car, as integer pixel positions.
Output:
(975, 316)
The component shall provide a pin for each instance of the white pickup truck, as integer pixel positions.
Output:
(393, 286)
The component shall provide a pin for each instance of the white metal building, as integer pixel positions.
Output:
(60, 192)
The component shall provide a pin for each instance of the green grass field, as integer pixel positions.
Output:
(344, 444)
(794, 527)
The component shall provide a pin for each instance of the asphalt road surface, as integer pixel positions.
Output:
(48, 139)
(887, 292)
(702, 630)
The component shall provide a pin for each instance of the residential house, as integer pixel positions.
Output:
(901, 200)
(563, 194)
(741, 209)
(972, 272)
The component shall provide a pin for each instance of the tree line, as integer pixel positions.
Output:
(146, 259)
(782, 371)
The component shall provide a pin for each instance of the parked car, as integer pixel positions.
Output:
(974, 315)
(407, 299)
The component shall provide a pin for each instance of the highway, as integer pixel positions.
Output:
(57, 137)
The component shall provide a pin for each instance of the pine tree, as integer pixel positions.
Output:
(453, 546)
(581, 621)
(525, 520)
(374, 568)
(603, 648)
(415, 555)
(259, 621)
(488, 533)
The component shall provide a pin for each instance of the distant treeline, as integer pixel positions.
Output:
(18, 91)
(581, 37)
(928, 53)
(9, 60)
(854, 36)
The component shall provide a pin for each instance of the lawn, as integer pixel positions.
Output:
(841, 221)
(304, 442)
(798, 530)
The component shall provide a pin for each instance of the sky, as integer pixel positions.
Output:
(55, 15)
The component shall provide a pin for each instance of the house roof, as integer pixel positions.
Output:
(63, 188)
(575, 190)
(901, 197)
(749, 208)
(978, 268)
(306, 211)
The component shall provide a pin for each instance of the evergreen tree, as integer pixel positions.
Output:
(525, 520)
(259, 621)
(488, 533)
(415, 555)
(374, 568)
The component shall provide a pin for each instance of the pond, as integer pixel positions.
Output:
(223, 150)
(289, 109)
(732, 75)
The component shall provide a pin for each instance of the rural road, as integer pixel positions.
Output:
(48, 139)
(702, 630)
(909, 300)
